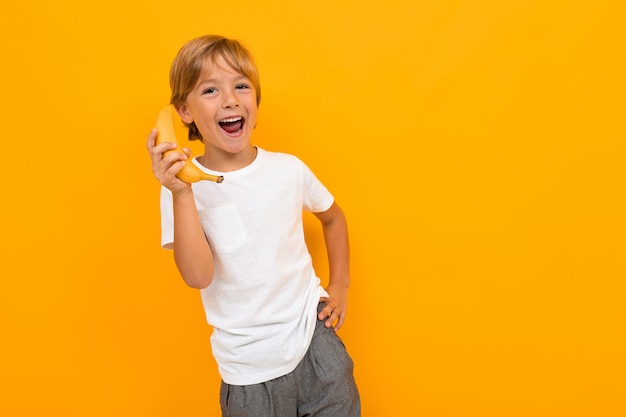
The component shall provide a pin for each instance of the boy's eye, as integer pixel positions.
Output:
(209, 91)
(241, 86)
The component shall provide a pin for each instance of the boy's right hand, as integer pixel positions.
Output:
(166, 167)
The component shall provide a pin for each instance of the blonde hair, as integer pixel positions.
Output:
(196, 55)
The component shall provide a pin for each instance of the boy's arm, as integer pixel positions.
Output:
(192, 253)
(335, 229)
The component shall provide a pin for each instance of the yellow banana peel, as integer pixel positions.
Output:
(165, 126)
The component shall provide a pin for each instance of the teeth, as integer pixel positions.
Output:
(231, 120)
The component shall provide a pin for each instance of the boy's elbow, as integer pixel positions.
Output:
(199, 284)
(199, 281)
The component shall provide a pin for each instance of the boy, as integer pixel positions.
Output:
(241, 243)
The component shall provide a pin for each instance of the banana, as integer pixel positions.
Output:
(165, 126)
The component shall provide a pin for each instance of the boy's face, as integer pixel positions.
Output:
(224, 109)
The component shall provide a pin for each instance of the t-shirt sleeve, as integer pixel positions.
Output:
(167, 219)
(316, 197)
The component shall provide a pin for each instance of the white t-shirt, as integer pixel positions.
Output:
(263, 300)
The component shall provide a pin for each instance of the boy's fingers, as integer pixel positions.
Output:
(326, 312)
(339, 323)
(158, 150)
(152, 139)
(332, 314)
(176, 167)
(332, 317)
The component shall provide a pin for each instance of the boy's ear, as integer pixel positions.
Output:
(183, 113)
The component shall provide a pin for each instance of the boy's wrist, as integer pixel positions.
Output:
(183, 193)
(343, 282)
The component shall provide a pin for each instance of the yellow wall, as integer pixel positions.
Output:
(477, 148)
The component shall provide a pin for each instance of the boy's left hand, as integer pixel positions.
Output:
(335, 309)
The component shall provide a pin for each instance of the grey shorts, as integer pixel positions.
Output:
(322, 385)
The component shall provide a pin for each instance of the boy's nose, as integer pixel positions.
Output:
(230, 100)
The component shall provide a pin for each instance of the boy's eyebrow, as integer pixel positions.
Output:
(213, 80)
(207, 81)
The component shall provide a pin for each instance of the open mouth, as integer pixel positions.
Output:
(232, 124)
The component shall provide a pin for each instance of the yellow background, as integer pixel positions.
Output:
(477, 148)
